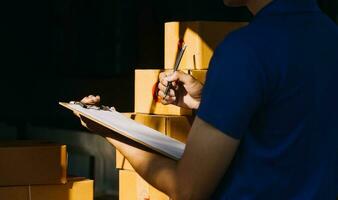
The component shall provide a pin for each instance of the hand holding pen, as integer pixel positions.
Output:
(184, 90)
(177, 64)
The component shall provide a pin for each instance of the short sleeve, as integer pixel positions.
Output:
(234, 88)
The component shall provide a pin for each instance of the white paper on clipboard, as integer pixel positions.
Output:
(133, 130)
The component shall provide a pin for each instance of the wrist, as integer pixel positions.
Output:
(196, 105)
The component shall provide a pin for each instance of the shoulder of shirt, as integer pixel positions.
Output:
(238, 39)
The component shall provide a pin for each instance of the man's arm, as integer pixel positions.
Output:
(205, 160)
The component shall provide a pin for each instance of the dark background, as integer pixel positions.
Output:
(62, 50)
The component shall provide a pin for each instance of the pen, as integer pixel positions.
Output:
(177, 64)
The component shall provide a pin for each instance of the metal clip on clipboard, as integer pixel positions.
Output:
(101, 107)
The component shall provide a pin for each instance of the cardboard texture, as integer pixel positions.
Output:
(32, 162)
(74, 189)
(133, 187)
(176, 127)
(148, 103)
(200, 75)
(155, 194)
(201, 38)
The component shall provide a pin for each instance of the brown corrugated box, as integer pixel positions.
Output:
(133, 187)
(176, 127)
(74, 189)
(201, 37)
(199, 75)
(32, 162)
(148, 103)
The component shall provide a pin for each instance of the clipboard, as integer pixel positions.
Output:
(131, 129)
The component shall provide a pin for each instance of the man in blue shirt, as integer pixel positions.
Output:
(267, 121)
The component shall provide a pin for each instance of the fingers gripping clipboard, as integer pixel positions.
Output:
(131, 129)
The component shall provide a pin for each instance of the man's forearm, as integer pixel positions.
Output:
(195, 176)
(156, 169)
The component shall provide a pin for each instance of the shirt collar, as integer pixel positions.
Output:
(277, 7)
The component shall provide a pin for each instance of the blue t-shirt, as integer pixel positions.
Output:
(274, 86)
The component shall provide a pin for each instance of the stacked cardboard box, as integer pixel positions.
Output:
(37, 171)
(74, 189)
(201, 39)
(133, 187)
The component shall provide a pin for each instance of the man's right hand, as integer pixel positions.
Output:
(186, 91)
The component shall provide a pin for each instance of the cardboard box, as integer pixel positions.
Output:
(200, 75)
(176, 127)
(133, 187)
(32, 162)
(146, 100)
(74, 189)
(201, 38)
(155, 194)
